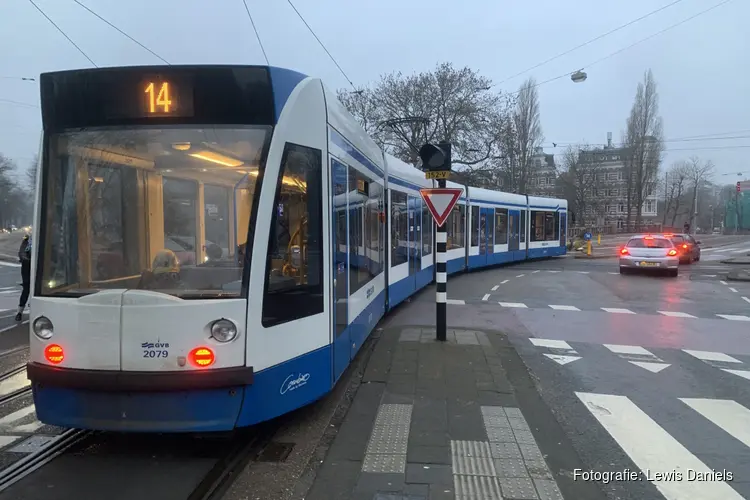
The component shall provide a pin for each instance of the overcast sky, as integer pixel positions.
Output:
(700, 67)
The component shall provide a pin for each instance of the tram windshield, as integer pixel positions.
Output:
(162, 209)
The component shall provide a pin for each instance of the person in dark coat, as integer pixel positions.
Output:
(24, 255)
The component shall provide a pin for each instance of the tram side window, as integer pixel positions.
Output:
(427, 226)
(545, 226)
(375, 229)
(294, 266)
(364, 230)
(501, 226)
(399, 228)
(523, 226)
(474, 226)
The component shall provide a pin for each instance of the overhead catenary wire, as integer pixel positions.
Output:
(63, 33)
(680, 23)
(603, 35)
(122, 32)
(257, 35)
(322, 45)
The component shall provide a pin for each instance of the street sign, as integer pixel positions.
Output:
(587, 236)
(440, 201)
(437, 174)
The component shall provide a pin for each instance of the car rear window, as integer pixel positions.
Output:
(649, 243)
(678, 239)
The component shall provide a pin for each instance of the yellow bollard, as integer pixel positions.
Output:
(588, 247)
(598, 239)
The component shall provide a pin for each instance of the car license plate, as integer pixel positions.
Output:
(648, 264)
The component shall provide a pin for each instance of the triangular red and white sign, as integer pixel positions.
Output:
(440, 201)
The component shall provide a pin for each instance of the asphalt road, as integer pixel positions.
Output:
(642, 373)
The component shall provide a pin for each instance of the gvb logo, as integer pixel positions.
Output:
(294, 382)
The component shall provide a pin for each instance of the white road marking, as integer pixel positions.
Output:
(534, 272)
(564, 308)
(553, 271)
(739, 373)
(10, 292)
(617, 310)
(486, 296)
(561, 359)
(513, 304)
(610, 272)
(712, 356)
(731, 416)
(653, 367)
(495, 287)
(734, 317)
(733, 289)
(456, 302)
(676, 314)
(9, 288)
(504, 282)
(653, 449)
(551, 343)
(582, 272)
(709, 275)
(9, 264)
(723, 282)
(16, 415)
(13, 326)
(520, 275)
(14, 383)
(7, 440)
(31, 427)
(746, 299)
(628, 349)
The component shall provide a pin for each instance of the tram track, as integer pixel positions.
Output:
(230, 454)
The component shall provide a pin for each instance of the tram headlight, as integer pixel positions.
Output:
(223, 330)
(43, 328)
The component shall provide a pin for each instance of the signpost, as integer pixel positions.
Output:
(436, 161)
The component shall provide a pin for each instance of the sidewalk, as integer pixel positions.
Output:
(442, 421)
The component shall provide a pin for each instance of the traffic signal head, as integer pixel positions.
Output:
(436, 157)
(738, 186)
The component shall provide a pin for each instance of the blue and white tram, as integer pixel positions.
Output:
(214, 244)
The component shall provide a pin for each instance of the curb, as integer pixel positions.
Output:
(742, 262)
(584, 256)
(740, 276)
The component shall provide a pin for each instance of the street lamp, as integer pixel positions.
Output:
(578, 76)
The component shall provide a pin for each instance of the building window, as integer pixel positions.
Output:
(621, 208)
(501, 226)
(294, 266)
(538, 163)
(399, 229)
(613, 192)
(612, 176)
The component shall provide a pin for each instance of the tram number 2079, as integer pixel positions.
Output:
(155, 354)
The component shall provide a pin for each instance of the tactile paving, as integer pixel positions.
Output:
(394, 464)
(505, 450)
(518, 488)
(500, 435)
(547, 489)
(470, 449)
(386, 448)
(476, 488)
(473, 466)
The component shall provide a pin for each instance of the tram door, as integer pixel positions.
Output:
(415, 239)
(563, 228)
(486, 233)
(514, 230)
(340, 268)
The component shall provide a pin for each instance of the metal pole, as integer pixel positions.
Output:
(441, 279)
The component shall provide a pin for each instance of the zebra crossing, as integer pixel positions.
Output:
(721, 253)
(561, 352)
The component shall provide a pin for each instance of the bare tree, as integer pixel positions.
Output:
(580, 180)
(675, 188)
(527, 132)
(458, 106)
(697, 173)
(643, 141)
(31, 174)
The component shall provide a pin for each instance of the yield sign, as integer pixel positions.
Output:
(440, 201)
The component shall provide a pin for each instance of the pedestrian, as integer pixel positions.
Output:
(24, 255)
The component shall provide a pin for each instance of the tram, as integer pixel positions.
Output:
(214, 244)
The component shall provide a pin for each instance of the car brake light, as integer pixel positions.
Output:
(54, 354)
(669, 235)
(624, 251)
(672, 252)
(648, 237)
(684, 246)
(202, 357)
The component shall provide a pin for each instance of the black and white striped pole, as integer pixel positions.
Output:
(436, 161)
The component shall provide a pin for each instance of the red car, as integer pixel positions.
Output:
(687, 246)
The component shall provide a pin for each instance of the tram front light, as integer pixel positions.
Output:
(202, 357)
(223, 330)
(54, 354)
(43, 328)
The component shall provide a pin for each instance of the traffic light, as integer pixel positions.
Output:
(738, 186)
(436, 158)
